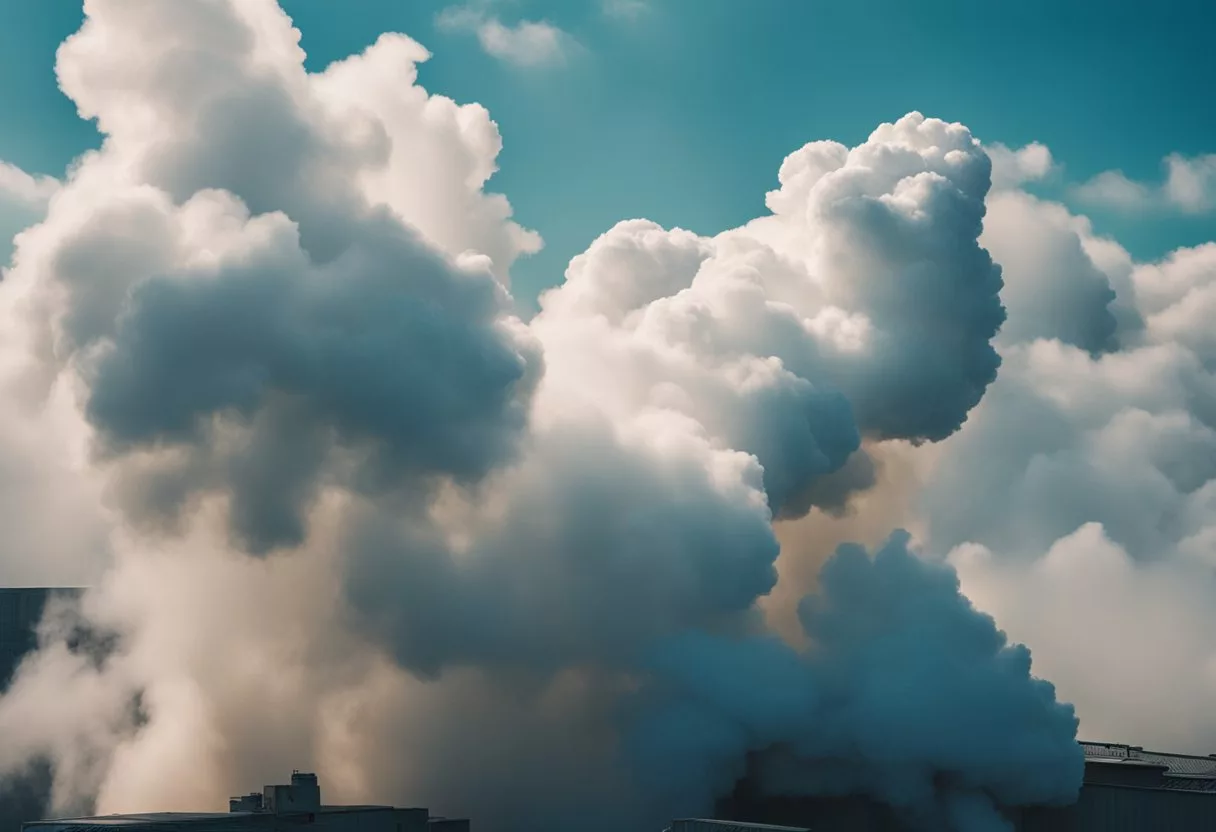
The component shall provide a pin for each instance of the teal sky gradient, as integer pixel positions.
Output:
(683, 116)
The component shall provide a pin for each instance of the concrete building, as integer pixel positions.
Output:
(294, 807)
(1126, 789)
(25, 797)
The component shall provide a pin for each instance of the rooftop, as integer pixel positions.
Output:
(158, 820)
(1184, 772)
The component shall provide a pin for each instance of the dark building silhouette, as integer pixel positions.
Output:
(275, 808)
(1126, 789)
(24, 797)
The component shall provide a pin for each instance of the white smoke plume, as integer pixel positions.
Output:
(1099, 551)
(346, 510)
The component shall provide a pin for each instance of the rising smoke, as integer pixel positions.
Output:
(345, 509)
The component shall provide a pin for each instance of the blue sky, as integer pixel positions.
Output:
(683, 113)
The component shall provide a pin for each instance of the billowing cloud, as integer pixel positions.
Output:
(356, 515)
(1191, 182)
(1077, 498)
(526, 43)
(1011, 168)
(1101, 615)
(1112, 189)
(23, 202)
(1053, 287)
(1189, 187)
(867, 708)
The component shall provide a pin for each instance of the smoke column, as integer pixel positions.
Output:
(343, 508)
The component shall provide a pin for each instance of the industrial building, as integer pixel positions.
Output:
(24, 797)
(277, 808)
(1126, 789)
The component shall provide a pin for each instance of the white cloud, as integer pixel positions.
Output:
(1108, 630)
(354, 514)
(1053, 286)
(23, 202)
(1078, 499)
(526, 43)
(1112, 189)
(1191, 183)
(625, 9)
(1189, 187)
(1011, 168)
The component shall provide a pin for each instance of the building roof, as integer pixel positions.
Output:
(1184, 772)
(737, 825)
(171, 820)
(142, 817)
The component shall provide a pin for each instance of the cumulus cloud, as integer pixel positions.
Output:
(1189, 187)
(526, 43)
(355, 514)
(23, 201)
(1053, 286)
(1011, 168)
(1191, 182)
(1112, 189)
(866, 709)
(1107, 616)
(1076, 500)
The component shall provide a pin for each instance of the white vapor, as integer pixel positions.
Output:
(625, 9)
(348, 511)
(1189, 187)
(1011, 168)
(23, 201)
(526, 43)
(1078, 498)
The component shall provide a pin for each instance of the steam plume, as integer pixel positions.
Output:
(351, 512)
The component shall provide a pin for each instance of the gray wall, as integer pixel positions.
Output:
(1105, 808)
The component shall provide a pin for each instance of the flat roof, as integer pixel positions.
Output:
(145, 818)
(744, 823)
(1189, 765)
(175, 818)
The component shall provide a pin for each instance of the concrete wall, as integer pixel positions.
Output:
(1105, 808)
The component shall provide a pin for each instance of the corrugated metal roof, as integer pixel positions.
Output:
(1184, 765)
(1190, 784)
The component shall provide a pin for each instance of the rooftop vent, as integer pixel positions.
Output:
(251, 802)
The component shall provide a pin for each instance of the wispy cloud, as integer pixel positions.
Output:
(1112, 189)
(1191, 183)
(1012, 168)
(528, 43)
(625, 9)
(1189, 186)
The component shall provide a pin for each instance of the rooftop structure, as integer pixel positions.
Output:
(275, 809)
(1131, 765)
